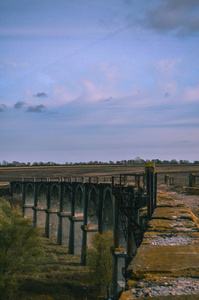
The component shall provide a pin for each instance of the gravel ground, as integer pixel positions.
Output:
(172, 241)
(180, 286)
(191, 201)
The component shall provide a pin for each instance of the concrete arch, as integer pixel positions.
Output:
(17, 190)
(29, 194)
(79, 199)
(107, 211)
(93, 207)
(67, 198)
(54, 197)
(42, 196)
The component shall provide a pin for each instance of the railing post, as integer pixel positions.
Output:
(166, 179)
(192, 180)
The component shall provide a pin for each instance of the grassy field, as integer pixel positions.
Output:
(57, 276)
(180, 173)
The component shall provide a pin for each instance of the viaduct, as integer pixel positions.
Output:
(72, 209)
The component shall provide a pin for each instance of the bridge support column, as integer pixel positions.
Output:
(23, 198)
(76, 220)
(71, 234)
(84, 226)
(149, 170)
(51, 223)
(63, 228)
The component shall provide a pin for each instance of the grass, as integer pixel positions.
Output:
(57, 276)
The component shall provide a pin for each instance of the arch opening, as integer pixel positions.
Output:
(42, 197)
(79, 201)
(54, 198)
(66, 205)
(17, 191)
(29, 194)
(93, 204)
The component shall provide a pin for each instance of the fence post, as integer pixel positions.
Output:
(166, 179)
(192, 180)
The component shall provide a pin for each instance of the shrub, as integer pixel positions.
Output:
(20, 246)
(100, 262)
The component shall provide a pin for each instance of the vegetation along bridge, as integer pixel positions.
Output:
(72, 209)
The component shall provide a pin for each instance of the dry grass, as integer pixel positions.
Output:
(57, 276)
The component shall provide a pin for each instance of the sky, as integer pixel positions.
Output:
(88, 80)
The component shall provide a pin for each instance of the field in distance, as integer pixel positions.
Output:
(179, 172)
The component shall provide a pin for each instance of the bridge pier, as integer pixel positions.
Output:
(76, 219)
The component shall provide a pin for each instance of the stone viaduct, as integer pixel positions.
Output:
(73, 209)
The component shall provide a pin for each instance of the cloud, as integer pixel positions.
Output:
(166, 95)
(41, 95)
(180, 16)
(108, 99)
(37, 109)
(3, 107)
(19, 105)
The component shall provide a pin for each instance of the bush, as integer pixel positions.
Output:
(100, 262)
(20, 246)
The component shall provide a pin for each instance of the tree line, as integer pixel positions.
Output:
(136, 161)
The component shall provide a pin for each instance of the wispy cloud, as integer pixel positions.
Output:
(41, 95)
(36, 109)
(3, 107)
(19, 104)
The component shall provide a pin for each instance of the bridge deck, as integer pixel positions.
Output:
(167, 262)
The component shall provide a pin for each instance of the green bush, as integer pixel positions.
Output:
(20, 246)
(100, 262)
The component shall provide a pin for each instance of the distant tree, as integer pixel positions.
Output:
(35, 164)
(20, 246)
(157, 161)
(28, 164)
(173, 161)
(15, 163)
(111, 162)
(184, 161)
(165, 162)
(4, 163)
(139, 160)
(196, 162)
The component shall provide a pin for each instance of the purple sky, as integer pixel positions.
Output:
(99, 80)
